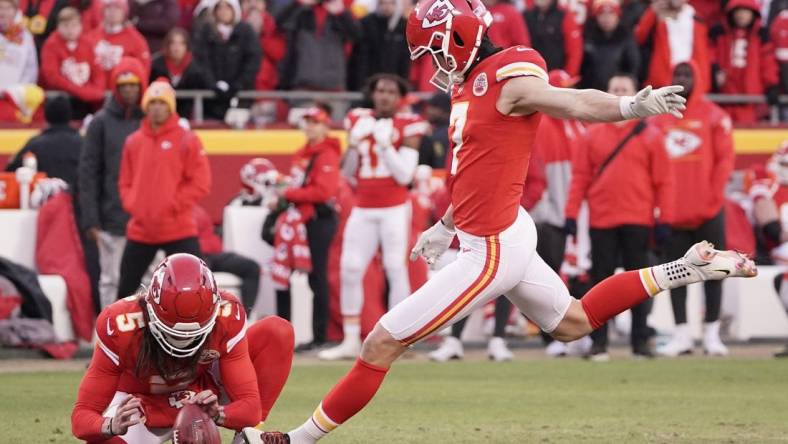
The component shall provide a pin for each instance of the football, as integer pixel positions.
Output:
(194, 426)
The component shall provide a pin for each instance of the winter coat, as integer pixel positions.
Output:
(34, 303)
(57, 150)
(746, 57)
(154, 19)
(274, 47)
(110, 49)
(235, 61)
(508, 28)
(382, 48)
(210, 242)
(192, 76)
(20, 62)
(779, 35)
(99, 163)
(633, 184)
(653, 34)
(316, 47)
(59, 251)
(319, 184)
(700, 147)
(557, 37)
(606, 55)
(164, 172)
(74, 72)
(555, 143)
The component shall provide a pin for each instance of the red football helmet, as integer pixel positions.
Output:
(778, 164)
(257, 175)
(182, 302)
(450, 30)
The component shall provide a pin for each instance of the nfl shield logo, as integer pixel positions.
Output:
(480, 84)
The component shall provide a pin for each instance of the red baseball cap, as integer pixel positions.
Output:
(601, 6)
(317, 114)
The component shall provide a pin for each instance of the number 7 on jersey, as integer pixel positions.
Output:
(457, 119)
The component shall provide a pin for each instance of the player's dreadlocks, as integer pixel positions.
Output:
(152, 358)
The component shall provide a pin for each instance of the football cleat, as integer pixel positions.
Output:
(714, 265)
(712, 344)
(556, 349)
(680, 344)
(251, 435)
(451, 348)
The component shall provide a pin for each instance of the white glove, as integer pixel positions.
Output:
(383, 134)
(650, 103)
(432, 243)
(362, 129)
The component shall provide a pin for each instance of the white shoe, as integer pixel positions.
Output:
(350, 348)
(579, 347)
(600, 357)
(451, 348)
(680, 344)
(556, 349)
(712, 344)
(714, 265)
(498, 351)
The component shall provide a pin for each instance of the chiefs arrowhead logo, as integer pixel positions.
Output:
(437, 14)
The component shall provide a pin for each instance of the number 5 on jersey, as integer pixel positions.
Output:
(457, 119)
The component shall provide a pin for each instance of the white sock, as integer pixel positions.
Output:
(309, 432)
(352, 331)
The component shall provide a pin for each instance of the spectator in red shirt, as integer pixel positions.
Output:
(779, 35)
(744, 58)
(508, 28)
(176, 63)
(556, 35)
(67, 64)
(117, 38)
(623, 193)
(674, 35)
(163, 173)
(700, 147)
(153, 19)
(272, 43)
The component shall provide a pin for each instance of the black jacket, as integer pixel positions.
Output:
(235, 61)
(606, 55)
(99, 166)
(547, 34)
(34, 302)
(193, 77)
(314, 61)
(380, 49)
(57, 150)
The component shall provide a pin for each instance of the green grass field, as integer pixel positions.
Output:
(537, 401)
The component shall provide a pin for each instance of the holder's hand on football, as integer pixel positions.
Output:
(433, 243)
(129, 413)
(648, 102)
(209, 402)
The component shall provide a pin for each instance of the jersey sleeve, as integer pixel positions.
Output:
(232, 316)
(95, 393)
(520, 61)
(353, 116)
(108, 335)
(415, 126)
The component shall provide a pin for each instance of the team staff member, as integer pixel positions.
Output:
(622, 190)
(163, 173)
(315, 174)
(700, 147)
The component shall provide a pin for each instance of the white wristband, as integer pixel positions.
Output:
(625, 107)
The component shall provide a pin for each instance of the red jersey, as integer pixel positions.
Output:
(376, 187)
(120, 331)
(110, 48)
(491, 150)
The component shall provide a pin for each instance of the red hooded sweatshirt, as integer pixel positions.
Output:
(274, 45)
(635, 182)
(110, 48)
(320, 183)
(700, 147)
(72, 70)
(210, 242)
(660, 72)
(163, 174)
(746, 59)
(508, 28)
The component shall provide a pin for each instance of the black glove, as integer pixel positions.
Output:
(662, 233)
(570, 227)
(773, 95)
